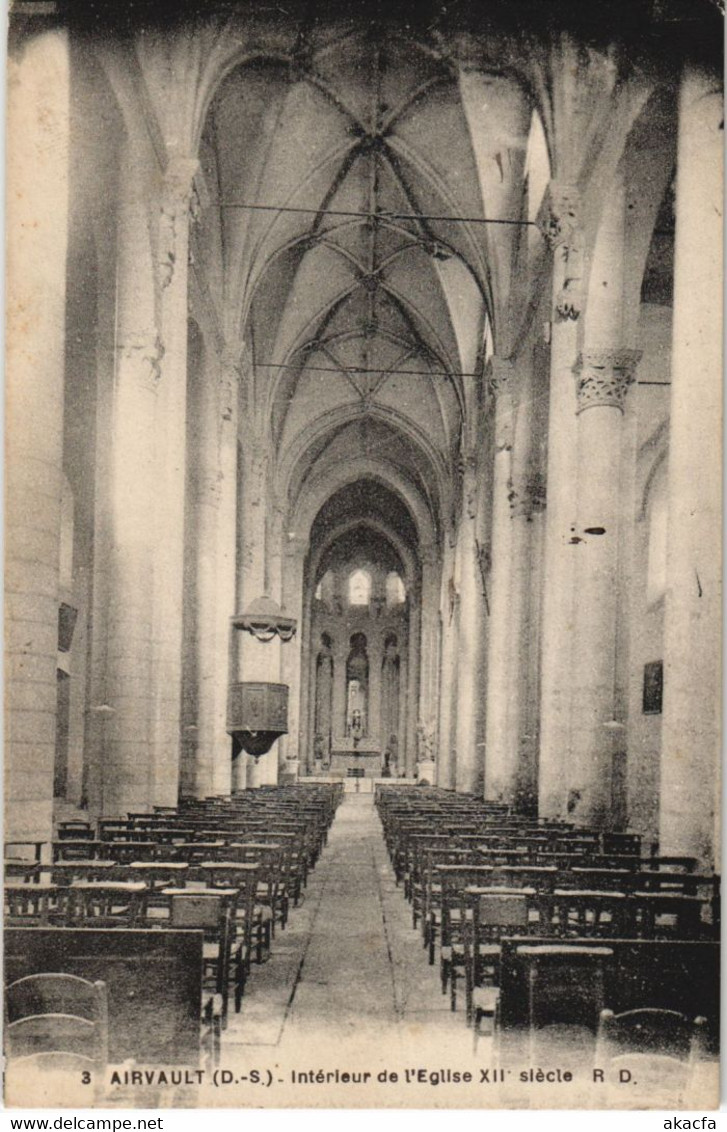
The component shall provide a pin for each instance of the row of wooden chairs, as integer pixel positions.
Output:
(469, 890)
(233, 891)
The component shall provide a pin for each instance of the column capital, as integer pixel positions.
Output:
(603, 378)
(560, 215)
(140, 357)
(561, 226)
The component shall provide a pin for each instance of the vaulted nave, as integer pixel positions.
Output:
(363, 529)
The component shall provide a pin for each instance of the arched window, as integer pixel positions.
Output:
(656, 561)
(359, 588)
(395, 590)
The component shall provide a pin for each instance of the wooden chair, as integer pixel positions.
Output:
(76, 849)
(56, 1022)
(211, 911)
(77, 829)
(427, 907)
(153, 981)
(487, 915)
(271, 891)
(565, 992)
(29, 905)
(64, 872)
(156, 875)
(106, 904)
(454, 879)
(670, 863)
(23, 850)
(659, 1048)
(249, 921)
(589, 912)
(18, 869)
(667, 915)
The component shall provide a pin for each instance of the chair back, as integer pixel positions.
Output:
(650, 1030)
(114, 904)
(504, 909)
(659, 1048)
(57, 1013)
(28, 905)
(202, 910)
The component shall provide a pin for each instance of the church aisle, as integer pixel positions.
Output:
(349, 979)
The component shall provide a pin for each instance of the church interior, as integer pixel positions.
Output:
(363, 537)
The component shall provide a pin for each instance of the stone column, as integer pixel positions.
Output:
(447, 675)
(500, 736)
(271, 765)
(340, 655)
(603, 380)
(469, 654)
(170, 439)
(37, 227)
(206, 493)
(604, 372)
(308, 648)
(690, 781)
(375, 650)
(292, 653)
(127, 770)
(527, 503)
(413, 707)
(429, 649)
(226, 561)
(563, 234)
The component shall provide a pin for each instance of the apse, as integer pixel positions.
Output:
(361, 647)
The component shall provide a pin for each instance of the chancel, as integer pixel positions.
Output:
(363, 528)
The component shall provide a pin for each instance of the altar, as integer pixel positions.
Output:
(366, 759)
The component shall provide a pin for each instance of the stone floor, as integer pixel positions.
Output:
(348, 992)
(349, 966)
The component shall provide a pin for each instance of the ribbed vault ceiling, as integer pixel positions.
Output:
(357, 322)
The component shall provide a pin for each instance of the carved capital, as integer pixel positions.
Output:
(560, 218)
(603, 378)
(140, 359)
(560, 224)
